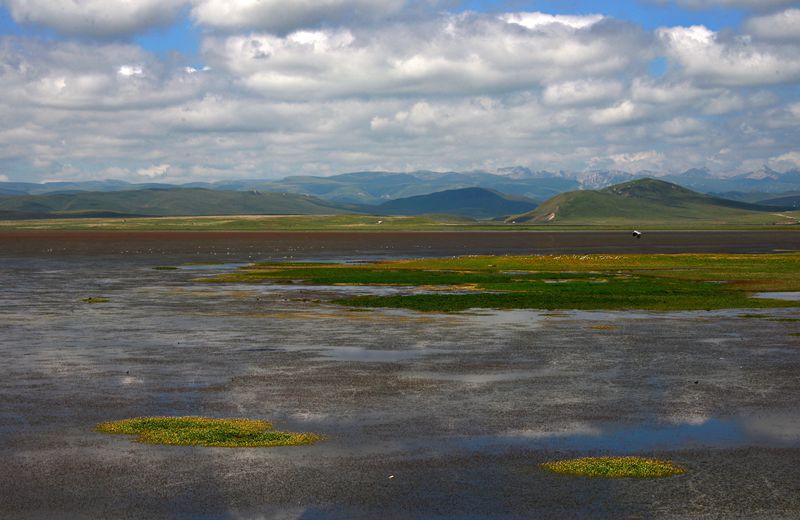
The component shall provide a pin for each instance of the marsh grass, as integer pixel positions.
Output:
(647, 282)
(203, 431)
(615, 467)
(165, 268)
(95, 300)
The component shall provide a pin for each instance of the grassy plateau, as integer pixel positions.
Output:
(654, 282)
(615, 467)
(202, 431)
(785, 221)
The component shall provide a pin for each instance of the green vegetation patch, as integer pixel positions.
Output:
(95, 300)
(203, 431)
(648, 282)
(615, 467)
(165, 268)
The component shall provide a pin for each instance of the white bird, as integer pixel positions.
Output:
(637, 234)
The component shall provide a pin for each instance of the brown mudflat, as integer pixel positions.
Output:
(270, 245)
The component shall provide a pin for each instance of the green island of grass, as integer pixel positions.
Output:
(95, 300)
(203, 431)
(165, 268)
(588, 282)
(614, 467)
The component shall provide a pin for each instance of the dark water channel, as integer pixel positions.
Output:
(457, 409)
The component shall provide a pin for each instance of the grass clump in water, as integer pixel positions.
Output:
(95, 300)
(165, 268)
(615, 467)
(203, 431)
(647, 282)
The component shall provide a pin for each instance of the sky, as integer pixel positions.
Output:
(207, 90)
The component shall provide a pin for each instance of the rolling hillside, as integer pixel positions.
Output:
(647, 202)
(469, 202)
(158, 202)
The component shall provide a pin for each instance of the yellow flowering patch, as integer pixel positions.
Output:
(615, 467)
(203, 431)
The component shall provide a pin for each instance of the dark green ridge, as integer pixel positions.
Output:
(647, 202)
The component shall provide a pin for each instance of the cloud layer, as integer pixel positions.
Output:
(97, 18)
(343, 85)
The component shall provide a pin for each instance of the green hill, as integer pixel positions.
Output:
(468, 202)
(159, 202)
(647, 202)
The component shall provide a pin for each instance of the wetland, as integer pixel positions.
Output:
(433, 414)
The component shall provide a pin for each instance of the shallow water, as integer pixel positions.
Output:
(787, 296)
(468, 403)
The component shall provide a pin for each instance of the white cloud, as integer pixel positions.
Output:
(97, 18)
(440, 92)
(3, 178)
(787, 161)
(637, 161)
(625, 112)
(154, 172)
(681, 126)
(130, 70)
(535, 20)
(581, 92)
(648, 90)
(724, 103)
(281, 16)
(451, 55)
(737, 62)
(75, 76)
(784, 25)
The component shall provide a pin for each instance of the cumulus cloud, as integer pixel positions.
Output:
(636, 161)
(784, 25)
(78, 76)
(625, 112)
(450, 91)
(154, 172)
(3, 178)
(733, 62)
(536, 20)
(582, 92)
(787, 161)
(451, 55)
(95, 18)
(281, 17)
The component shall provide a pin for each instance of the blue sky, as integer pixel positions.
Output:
(183, 90)
(184, 36)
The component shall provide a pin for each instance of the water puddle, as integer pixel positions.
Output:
(369, 356)
(786, 296)
(212, 267)
(475, 379)
(765, 430)
(359, 354)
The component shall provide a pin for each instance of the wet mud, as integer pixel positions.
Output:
(426, 415)
(361, 246)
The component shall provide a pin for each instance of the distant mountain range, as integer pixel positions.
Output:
(648, 202)
(163, 202)
(467, 202)
(375, 188)
(640, 200)
(150, 202)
